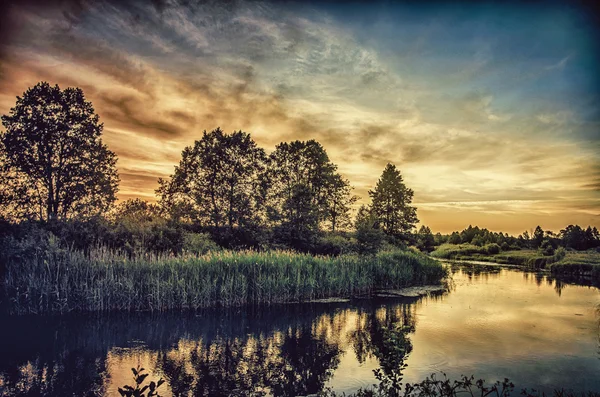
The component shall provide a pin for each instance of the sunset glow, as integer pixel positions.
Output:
(490, 112)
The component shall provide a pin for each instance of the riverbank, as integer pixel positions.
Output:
(563, 262)
(65, 281)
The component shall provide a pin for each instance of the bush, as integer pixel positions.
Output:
(198, 243)
(493, 249)
(559, 254)
(546, 248)
(504, 246)
(334, 245)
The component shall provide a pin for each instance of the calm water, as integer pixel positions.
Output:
(538, 332)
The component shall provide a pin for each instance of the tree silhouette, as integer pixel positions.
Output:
(52, 160)
(538, 236)
(218, 180)
(425, 239)
(305, 191)
(391, 201)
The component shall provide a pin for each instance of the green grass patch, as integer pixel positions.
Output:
(578, 263)
(562, 262)
(65, 281)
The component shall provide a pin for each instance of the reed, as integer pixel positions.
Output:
(102, 280)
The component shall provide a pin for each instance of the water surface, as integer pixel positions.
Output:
(494, 323)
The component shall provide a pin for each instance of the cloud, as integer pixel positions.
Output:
(560, 117)
(159, 74)
(560, 65)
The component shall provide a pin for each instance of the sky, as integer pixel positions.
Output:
(491, 111)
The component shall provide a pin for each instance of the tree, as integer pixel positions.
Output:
(391, 201)
(52, 160)
(339, 201)
(218, 181)
(425, 239)
(369, 236)
(538, 236)
(454, 238)
(573, 236)
(305, 191)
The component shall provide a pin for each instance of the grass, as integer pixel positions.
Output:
(65, 281)
(570, 263)
(579, 263)
(532, 259)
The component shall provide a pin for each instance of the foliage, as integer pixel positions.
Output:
(369, 237)
(391, 201)
(53, 163)
(444, 387)
(198, 243)
(305, 191)
(335, 244)
(532, 259)
(137, 226)
(453, 251)
(492, 249)
(454, 238)
(546, 248)
(139, 390)
(339, 202)
(219, 181)
(577, 238)
(425, 239)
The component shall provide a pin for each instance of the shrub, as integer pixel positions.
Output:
(546, 248)
(492, 249)
(198, 243)
(504, 246)
(334, 245)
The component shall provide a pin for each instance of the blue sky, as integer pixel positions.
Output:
(490, 111)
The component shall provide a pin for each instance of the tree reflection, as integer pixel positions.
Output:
(75, 374)
(308, 362)
(299, 364)
(383, 334)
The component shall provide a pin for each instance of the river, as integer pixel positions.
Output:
(493, 323)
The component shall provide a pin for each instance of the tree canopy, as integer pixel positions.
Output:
(53, 162)
(306, 191)
(218, 180)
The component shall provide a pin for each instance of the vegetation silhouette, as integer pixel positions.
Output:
(53, 163)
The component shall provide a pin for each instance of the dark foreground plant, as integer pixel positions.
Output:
(466, 386)
(139, 390)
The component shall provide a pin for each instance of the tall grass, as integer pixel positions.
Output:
(65, 280)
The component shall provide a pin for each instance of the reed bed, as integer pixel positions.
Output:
(101, 280)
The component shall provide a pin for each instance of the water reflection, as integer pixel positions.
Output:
(495, 322)
(285, 351)
(383, 334)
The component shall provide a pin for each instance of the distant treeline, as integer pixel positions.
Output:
(572, 236)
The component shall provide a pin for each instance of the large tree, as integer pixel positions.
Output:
(53, 163)
(305, 191)
(391, 201)
(218, 181)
